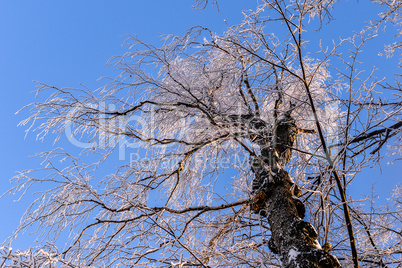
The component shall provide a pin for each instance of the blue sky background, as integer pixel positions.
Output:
(65, 43)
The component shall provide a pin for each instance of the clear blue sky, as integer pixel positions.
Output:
(65, 43)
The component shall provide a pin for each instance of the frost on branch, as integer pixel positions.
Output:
(31, 258)
(204, 114)
(209, 152)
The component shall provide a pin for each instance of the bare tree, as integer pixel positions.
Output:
(236, 152)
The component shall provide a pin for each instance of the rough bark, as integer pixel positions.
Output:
(274, 196)
(294, 239)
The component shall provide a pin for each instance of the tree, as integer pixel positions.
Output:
(249, 103)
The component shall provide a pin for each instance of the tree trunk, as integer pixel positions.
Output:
(292, 238)
(275, 194)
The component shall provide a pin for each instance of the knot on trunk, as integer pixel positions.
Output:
(258, 202)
